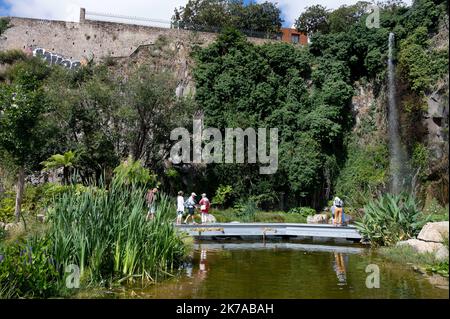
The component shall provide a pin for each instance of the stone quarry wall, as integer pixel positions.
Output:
(91, 39)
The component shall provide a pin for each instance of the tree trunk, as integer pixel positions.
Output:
(19, 192)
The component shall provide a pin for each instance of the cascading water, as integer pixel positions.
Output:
(397, 158)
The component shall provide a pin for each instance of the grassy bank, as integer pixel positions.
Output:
(407, 255)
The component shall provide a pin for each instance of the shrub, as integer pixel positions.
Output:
(7, 204)
(246, 211)
(223, 194)
(391, 218)
(27, 270)
(304, 211)
(11, 56)
(133, 172)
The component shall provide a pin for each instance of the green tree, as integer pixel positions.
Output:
(314, 19)
(64, 161)
(218, 14)
(23, 130)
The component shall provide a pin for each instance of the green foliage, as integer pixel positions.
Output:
(420, 158)
(303, 211)
(391, 218)
(222, 195)
(243, 85)
(64, 161)
(7, 204)
(107, 235)
(420, 65)
(4, 25)
(246, 211)
(2, 237)
(364, 173)
(441, 269)
(57, 161)
(28, 270)
(23, 134)
(131, 172)
(215, 15)
(313, 19)
(435, 211)
(11, 56)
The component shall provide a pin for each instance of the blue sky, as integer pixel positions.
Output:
(68, 10)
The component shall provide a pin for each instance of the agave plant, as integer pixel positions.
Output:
(391, 218)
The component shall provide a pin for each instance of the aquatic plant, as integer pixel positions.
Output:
(105, 233)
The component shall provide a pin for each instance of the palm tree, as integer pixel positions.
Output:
(66, 161)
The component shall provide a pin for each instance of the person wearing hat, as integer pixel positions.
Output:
(204, 208)
(337, 210)
(190, 205)
(180, 207)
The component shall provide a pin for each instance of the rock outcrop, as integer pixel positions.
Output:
(434, 232)
(317, 219)
(430, 240)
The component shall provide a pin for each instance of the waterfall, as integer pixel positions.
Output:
(397, 158)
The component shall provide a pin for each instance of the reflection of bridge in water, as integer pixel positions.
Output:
(270, 230)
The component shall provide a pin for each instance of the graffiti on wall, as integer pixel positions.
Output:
(53, 58)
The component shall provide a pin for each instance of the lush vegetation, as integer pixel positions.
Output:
(425, 262)
(215, 15)
(102, 231)
(390, 219)
(75, 128)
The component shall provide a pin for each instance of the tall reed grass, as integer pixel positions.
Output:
(105, 233)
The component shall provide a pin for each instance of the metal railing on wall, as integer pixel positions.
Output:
(134, 19)
(109, 17)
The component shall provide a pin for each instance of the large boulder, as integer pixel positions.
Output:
(434, 232)
(422, 246)
(317, 219)
(2, 225)
(442, 254)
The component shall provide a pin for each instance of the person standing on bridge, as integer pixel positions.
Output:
(180, 207)
(337, 211)
(190, 205)
(204, 208)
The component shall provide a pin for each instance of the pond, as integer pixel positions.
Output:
(286, 270)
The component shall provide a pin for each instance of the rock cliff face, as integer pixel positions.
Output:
(428, 126)
(436, 122)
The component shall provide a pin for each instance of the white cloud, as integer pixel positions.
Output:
(68, 10)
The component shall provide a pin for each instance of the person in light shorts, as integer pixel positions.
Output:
(180, 207)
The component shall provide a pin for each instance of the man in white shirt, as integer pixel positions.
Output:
(180, 207)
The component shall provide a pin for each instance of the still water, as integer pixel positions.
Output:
(287, 270)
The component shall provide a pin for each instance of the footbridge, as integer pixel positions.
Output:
(265, 230)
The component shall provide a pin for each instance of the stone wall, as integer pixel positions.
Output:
(92, 39)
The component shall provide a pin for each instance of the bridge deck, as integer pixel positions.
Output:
(270, 229)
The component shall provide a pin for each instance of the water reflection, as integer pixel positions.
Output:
(285, 270)
(340, 267)
(203, 265)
